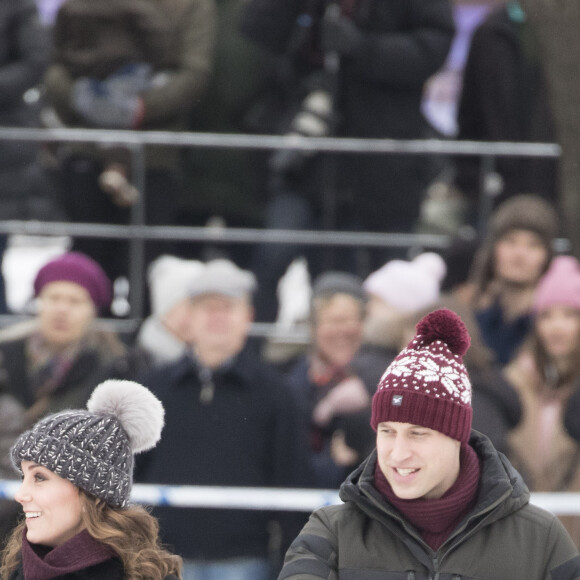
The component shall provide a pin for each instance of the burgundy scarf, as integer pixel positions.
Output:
(437, 518)
(80, 552)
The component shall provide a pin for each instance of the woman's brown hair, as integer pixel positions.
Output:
(132, 532)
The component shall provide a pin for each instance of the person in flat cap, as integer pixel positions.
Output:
(434, 499)
(76, 468)
(231, 420)
(52, 361)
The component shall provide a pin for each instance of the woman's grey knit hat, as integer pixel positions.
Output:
(94, 448)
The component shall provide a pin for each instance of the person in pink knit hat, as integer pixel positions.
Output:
(546, 375)
(434, 499)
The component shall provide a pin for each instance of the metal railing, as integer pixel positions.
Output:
(137, 233)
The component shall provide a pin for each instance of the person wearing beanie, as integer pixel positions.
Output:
(335, 379)
(396, 290)
(77, 471)
(231, 420)
(434, 499)
(495, 403)
(545, 446)
(506, 268)
(164, 335)
(79, 269)
(52, 361)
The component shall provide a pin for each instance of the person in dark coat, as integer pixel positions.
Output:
(504, 98)
(335, 379)
(435, 499)
(137, 65)
(357, 74)
(78, 521)
(231, 421)
(24, 53)
(54, 360)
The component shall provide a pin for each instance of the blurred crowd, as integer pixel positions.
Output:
(243, 410)
(445, 69)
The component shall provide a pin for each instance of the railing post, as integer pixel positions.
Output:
(137, 244)
(490, 186)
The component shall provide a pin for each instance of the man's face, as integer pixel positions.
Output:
(220, 323)
(66, 312)
(520, 257)
(416, 461)
(338, 329)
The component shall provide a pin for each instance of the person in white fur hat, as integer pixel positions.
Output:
(77, 472)
(165, 335)
(397, 289)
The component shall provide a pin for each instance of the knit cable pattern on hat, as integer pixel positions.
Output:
(94, 448)
(90, 451)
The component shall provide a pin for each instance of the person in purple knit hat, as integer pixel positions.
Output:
(434, 499)
(53, 361)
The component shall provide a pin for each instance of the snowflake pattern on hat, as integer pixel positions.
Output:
(427, 384)
(415, 368)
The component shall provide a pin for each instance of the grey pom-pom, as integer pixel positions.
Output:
(138, 410)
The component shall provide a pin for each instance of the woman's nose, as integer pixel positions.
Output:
(22, 494)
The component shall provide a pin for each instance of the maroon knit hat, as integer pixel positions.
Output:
(80, 269)
(427, 383)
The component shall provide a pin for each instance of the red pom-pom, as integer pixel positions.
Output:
(444, 325)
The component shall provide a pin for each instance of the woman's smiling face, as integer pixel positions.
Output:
(51, 504)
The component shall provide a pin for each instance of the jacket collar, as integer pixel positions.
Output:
(501, 490)
(239, 367)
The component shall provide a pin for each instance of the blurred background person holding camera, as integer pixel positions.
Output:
(349, 69)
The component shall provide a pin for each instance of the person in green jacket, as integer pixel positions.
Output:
(434, 499)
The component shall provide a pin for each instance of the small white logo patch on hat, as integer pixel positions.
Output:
(397, 400)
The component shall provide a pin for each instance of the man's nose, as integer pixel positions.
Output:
(401, 449)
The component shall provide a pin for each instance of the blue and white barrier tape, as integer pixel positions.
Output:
(268, 498)
(254, 498)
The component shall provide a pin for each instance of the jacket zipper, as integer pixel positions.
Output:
(207, 386)
(461, 539)
(435, 561)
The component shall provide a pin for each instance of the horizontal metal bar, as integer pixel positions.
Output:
(243, 141)
(224, 235)
(287, 334)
